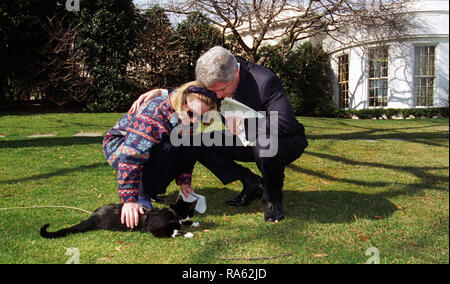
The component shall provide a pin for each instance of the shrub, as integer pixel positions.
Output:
(106, 40)
(197, 35)
(22, 39)
(156, 57)
(64, 80)
(379, 113)
(305, 76)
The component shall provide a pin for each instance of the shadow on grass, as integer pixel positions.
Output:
(309, 206)
(427, 180)
(316, 206)
(56, 173)
(301, 209)
(335, 206)
(363, 132)
(51, 142)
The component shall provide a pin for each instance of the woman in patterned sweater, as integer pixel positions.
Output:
(139, 148)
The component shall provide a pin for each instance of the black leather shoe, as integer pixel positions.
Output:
(252, 191)
(274, 212)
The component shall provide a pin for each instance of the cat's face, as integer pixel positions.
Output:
(183, 208)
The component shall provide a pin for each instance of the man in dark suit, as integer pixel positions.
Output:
(260, 89)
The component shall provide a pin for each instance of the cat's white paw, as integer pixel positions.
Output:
(189, 235)
(195, 224)
(175, 233)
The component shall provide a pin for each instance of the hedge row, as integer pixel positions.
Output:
(395, 113)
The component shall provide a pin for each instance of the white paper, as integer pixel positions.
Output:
(200, 207)
(231, 105)
(232, 108)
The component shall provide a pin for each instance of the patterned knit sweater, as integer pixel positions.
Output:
(128, 143)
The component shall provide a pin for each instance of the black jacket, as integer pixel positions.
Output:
(262, 90)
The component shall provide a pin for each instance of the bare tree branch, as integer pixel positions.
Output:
(253, 23)
(67, 80)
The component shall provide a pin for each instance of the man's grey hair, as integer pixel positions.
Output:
(216, 65)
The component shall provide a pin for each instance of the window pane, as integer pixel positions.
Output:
(343, 73)
(424, 74)
(378, 74)
(418, 63)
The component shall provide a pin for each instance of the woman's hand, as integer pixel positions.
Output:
(144, 98)
(130, 214)
(235, 125)
(186, 189)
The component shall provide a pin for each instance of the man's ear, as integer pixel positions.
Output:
(236, 78)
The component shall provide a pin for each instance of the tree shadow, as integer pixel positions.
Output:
(332, 206)
(51, 142)
(416, 137)
(318, 206)
(56, 173)
(376, 133)
(308, 206)
(327, 206)
(301, 207)
(426, 180)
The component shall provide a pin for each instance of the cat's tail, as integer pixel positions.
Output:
(84, 226)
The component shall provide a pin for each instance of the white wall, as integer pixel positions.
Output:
(433, 30)
(442, 70)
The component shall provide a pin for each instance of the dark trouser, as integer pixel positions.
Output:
(166, 163)
(220, 160)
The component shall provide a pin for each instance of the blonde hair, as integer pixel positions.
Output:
(181, 95)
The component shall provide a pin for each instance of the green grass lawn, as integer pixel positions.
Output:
(360, 184)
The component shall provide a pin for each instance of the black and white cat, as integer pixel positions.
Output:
(162, 223)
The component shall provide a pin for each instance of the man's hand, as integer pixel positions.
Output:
(186, 189)
(130, 214)
(144, 98)
(235, 124)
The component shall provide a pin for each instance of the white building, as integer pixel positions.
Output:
(399, 73)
